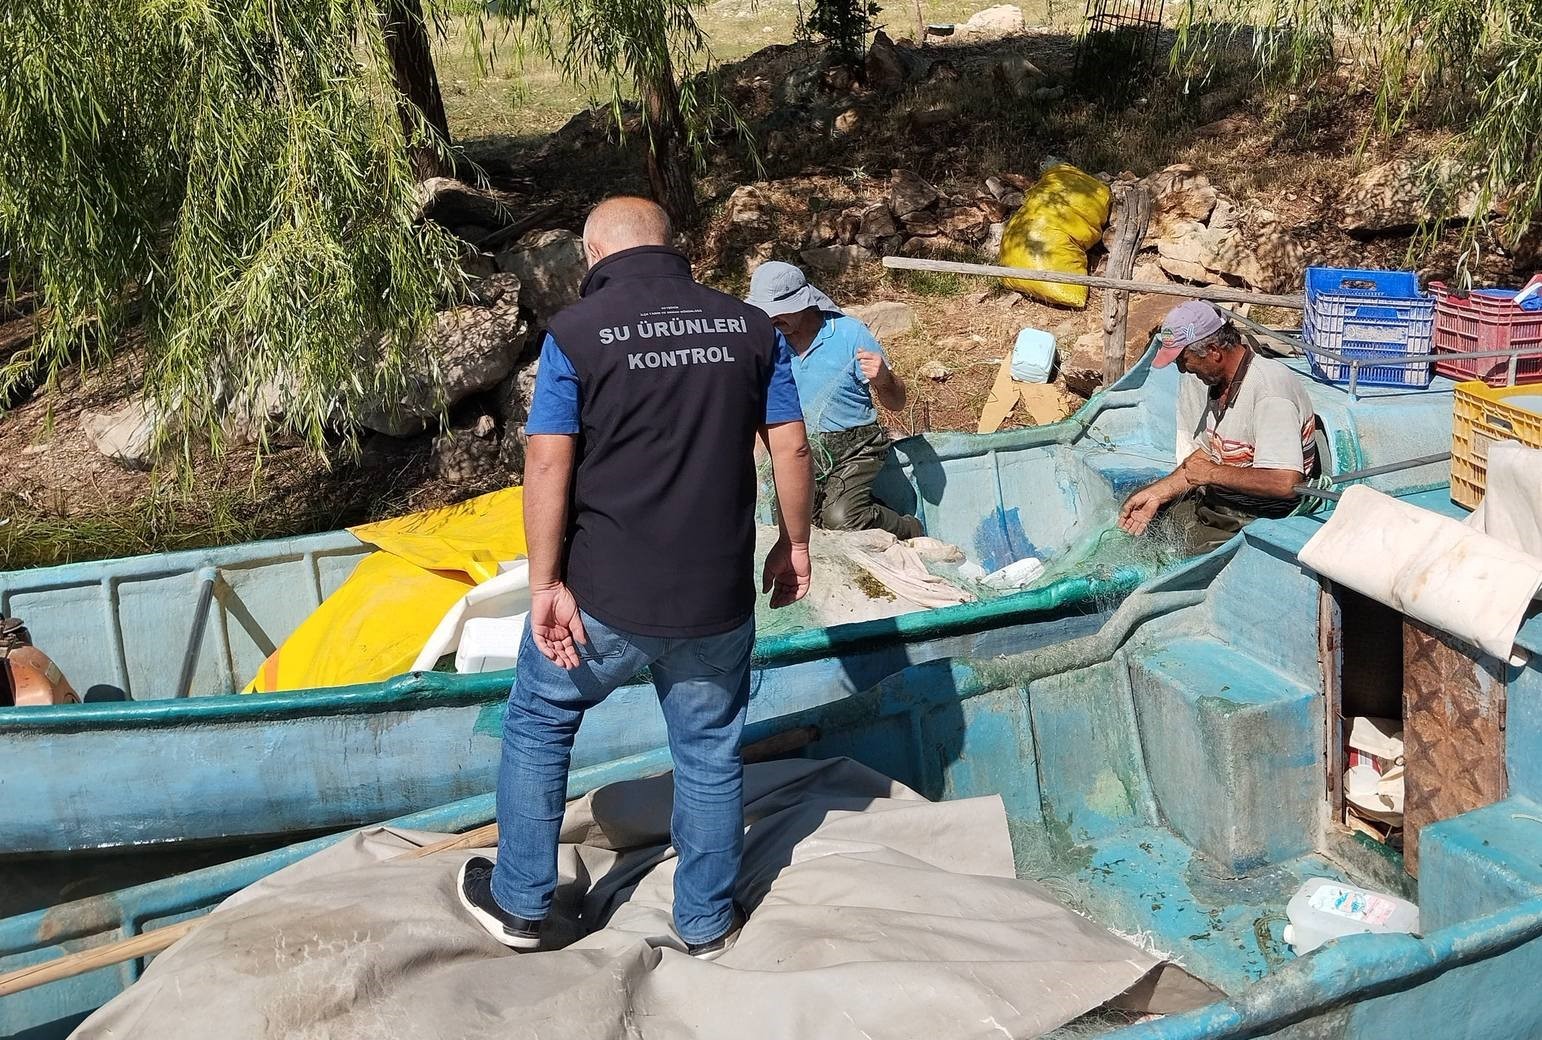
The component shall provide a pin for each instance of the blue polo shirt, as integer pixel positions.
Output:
(554, 407)
(831, 385)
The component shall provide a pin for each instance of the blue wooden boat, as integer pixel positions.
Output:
(1169, 774)
(137, 765)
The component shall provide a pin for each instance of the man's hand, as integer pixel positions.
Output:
(787, 572)
(871, 364)
(556, 624)
(1139, 510)
(1142, 507)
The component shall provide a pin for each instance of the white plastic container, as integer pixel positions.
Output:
(1323, 909)
(1033, 356)
(1016, 575)
(489, 644)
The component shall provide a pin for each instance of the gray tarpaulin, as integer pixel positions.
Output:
(874, 913)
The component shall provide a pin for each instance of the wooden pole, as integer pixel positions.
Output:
(1215, 293)
(157, 940)
(1134, 215)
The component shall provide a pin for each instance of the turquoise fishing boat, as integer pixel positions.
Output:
(152, 759)
(1173, 774)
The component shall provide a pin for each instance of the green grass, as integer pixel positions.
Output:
(522, 95)
(158, 522)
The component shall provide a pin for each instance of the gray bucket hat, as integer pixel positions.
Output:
(781, 288)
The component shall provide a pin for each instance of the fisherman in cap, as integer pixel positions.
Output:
(1246, 434)
(840, 369)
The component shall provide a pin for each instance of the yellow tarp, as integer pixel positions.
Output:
(1062, 216)
(378, 620)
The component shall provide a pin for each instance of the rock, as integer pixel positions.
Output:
(909, 193)
(485, 426)
(473, 346)
(550, 266)
(934, 370)
(1180, 195)
(883, 69)
(1143, 318)
(964, 223)
(933, 115)
(1396, 195)
(838, 79)
(836, 259)
(886, 319)
(1001, 20)
(511, 398)
(470, 210)
(997, 187)
(747, 208)
(511, 453)
(461, 457)
(848, 121)
(878, 220)
(993, 211)
(825, 229)
(1014, 75)
(1228, 127)
(916, 246)
(922, 225)
(124, 435)
(992, 245)
(1049, 93)
(1184, 252)
(848, 226)
(1224, 216)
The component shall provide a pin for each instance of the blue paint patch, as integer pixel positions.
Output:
(999, 539)
(1125, 482)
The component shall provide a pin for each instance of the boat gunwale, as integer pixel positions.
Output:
(420, 690)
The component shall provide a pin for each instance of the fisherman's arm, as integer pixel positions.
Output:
(550, 458)
(1250, 480)
(1142, 507)
(788, 570)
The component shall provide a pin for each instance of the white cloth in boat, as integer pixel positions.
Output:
(874, 913)
(1433, 568)
(1511, 509)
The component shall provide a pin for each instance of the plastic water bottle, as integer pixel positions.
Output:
(1033, 356)
(1323, 909)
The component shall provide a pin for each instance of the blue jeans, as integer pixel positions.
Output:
(703, 686)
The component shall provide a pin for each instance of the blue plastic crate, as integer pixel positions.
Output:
(1368, 316)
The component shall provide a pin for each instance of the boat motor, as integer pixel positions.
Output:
(27, 675)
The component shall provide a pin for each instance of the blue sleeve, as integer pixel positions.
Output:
(781, 390)
(554, 408)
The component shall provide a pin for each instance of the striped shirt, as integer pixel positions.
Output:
(1270, 425)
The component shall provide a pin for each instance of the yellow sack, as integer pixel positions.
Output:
(1062, 216)
(377, 621)
(472, 536)
(370, 629)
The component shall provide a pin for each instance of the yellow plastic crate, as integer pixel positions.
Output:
(1481, 415)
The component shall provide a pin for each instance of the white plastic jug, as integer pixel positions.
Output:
(1323, 909)
(489, 644)
(1033, 356)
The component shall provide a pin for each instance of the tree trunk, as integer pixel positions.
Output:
(668, 159)
(412, 64)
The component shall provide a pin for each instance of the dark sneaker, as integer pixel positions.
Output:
(475, 886)
(712, 949)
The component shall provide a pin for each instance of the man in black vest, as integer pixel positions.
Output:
(639, 515)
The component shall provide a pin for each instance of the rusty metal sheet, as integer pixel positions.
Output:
(1453, 731)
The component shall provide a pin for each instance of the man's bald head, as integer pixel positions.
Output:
(624, 222)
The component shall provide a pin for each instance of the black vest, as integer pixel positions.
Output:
(672, 391)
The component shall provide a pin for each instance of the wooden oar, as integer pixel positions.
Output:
(157, 940)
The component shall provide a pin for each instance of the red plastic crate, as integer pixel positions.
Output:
(1482, 321)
